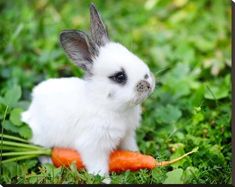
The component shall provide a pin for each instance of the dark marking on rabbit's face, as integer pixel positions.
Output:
(146, 76)
(111, 95)
(119, 77)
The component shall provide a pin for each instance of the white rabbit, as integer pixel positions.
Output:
(99, 113)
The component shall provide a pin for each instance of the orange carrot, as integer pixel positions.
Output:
(15, 148)
(127, 160)
(120, 160)
(65, 156)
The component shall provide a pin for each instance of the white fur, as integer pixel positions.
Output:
(77, 113)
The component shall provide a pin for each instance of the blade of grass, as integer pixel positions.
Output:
(3, 120)
(163, 69)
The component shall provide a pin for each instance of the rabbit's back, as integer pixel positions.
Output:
(59, 85)
(56, 105)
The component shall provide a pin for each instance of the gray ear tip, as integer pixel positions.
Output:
(92, 6)
(63, 35)
(93, 9)
(68, 33)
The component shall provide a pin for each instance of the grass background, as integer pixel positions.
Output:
(187, 46)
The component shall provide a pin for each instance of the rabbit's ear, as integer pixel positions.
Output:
(99, 33)
(79, 48)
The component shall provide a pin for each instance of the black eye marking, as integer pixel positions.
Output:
(119, 77)
(146, 76)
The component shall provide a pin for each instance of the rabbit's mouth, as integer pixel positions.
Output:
(139, 98)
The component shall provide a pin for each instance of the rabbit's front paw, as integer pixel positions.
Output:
(95, 161)
(102, 173)
(107, 180)
(98, 170)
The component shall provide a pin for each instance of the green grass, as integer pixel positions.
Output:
(185, 43)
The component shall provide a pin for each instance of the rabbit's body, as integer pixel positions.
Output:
(59, 120)
(99, 113)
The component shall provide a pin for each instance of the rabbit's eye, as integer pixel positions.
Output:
(119, 77)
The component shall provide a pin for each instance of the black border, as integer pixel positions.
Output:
(85, 185)
(233, 91)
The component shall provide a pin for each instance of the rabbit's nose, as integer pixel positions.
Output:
(143, 86)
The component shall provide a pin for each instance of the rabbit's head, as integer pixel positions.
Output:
(114, 75)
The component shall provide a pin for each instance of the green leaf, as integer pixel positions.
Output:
(174, 177)
(218, 89)
(30, 163)
(216, 154)
(12, 96)
(2, 100)
(49, 168)
(168, 114)
(198, 117)
(25, 131)
(197, 97)
(15, 116)
(190, 173)
(179, 81)
(202, 43)
(11, 169)
(33, 179)
(158, 174)
(9, 126)
(214, 92)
